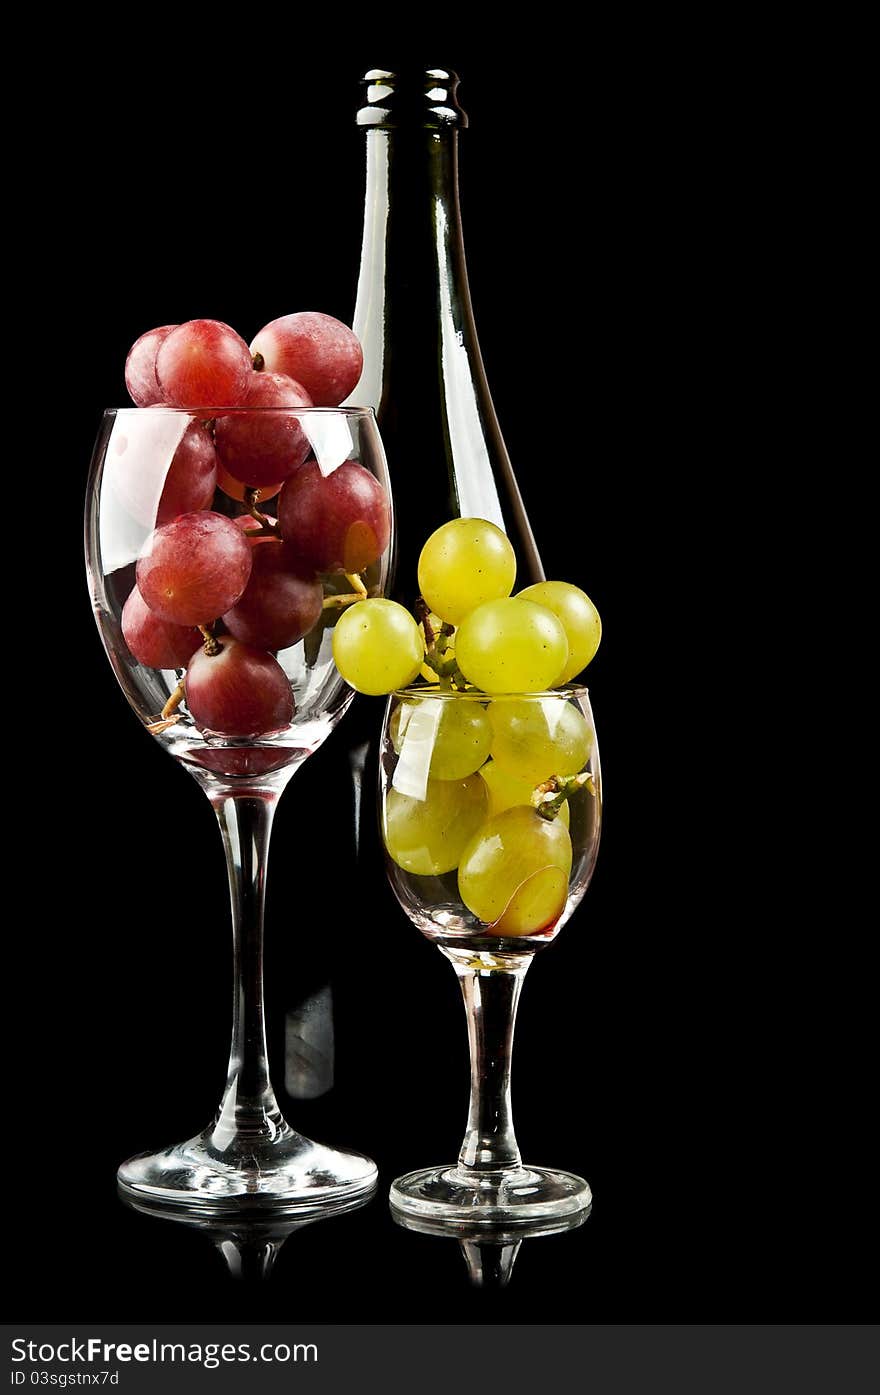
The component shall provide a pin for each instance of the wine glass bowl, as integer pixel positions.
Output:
(491, 815)
(132, 493)
(433, 805)
(215, 592)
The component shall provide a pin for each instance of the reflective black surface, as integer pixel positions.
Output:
(693, 1043)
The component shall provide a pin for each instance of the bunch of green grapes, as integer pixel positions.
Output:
(526, 643)
(473, 631)
(464, 793)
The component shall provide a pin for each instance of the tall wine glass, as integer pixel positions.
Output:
(491, 811)
(220, 634)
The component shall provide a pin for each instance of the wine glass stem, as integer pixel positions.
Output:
(490, 999)
(248, 1107)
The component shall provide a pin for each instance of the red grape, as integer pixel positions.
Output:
(337, 523)
(140, 366)
(321, 353)
(203, 363)
(191, 478)
(154, 642)
(234, 489)
(241, 691)
(260, 447)
(278, 606)
(194, 569)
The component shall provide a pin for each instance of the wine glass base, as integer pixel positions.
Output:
(288, 1174)
(520, 1197)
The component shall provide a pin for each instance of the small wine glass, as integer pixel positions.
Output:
(491, 813)
(240, 694)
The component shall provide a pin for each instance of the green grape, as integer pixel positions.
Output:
(514, 872)
(467, 561)
(453, 737)
(507, 789)
(427, 836)
(511, 646)
(579, 617)
(377, 646)
(536, 905)
(540, 737)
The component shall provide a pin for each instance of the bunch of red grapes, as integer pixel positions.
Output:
(219, 596)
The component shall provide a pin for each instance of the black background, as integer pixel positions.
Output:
(672, 1046)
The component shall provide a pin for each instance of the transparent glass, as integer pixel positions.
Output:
(248, 1157)
(491, 814)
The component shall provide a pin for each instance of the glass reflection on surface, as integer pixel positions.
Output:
(249, 1247)
(489, 1252)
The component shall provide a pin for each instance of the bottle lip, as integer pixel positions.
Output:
(423, 97)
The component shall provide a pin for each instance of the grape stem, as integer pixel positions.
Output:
(549, 797)
(174, 701)
(259, 362)
(359, 592)
(423, 615)
(166, 716)
(156, 728)
(251, 496)
(212, 645)
(446, 669)
(346, 598)
(437, 646)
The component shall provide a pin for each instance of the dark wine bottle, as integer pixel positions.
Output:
(423, 375)
(423, 371)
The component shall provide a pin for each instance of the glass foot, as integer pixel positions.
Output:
(287, 1173)
(519, 1197)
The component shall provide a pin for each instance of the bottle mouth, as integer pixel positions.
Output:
(411, 97)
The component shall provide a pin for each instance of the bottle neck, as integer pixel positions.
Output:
(415, 320)
(413, 274)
